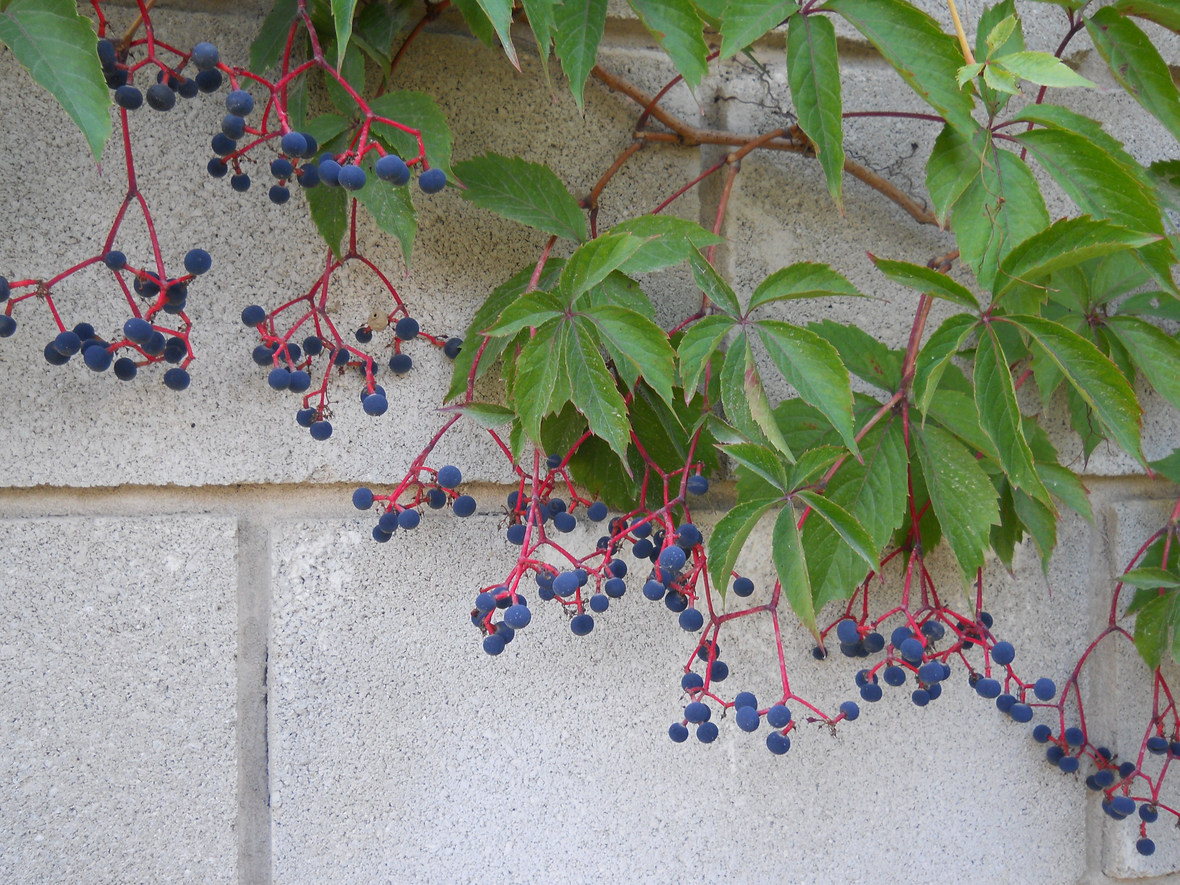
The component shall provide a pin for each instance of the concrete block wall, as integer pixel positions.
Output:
(210, 673)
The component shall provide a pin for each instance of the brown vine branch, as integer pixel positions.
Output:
(686, 135)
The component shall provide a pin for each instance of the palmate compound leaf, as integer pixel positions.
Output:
(521, 191)
(58, 47)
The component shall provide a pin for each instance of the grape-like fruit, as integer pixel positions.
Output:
(692, 620)
(160, 97)
(393, 169)
(707, 732)
(128, 97)
(697, 712)
(678, 732)
(432, 181)
(452, 347)
(239, 102)
(449, 476)
(848, 631)
(778, 716)
(596, 512)
(208, 81)
(464, 505)
(672, 559)
(743, 587)
(197, 261)
(351, 178)
(407, 329)
(321, 430)
(850, 710)
(375, 404)
(125, 369)
(362, 498)
(515, 534)
(176, 379)
(1045, 689)
(408, 519)
(205, 56)
(582, 624)
(240, 182)
(279, 378)
(233, 126)
(1003, 653)
(400, 363)
(294, 144)
(697, 484)
(1145, 846)
(778, 743)
(517, 616)
(97, 358)
(748, 719)
(493, 643)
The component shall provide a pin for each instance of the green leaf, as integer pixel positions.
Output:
(875, 494)
(418, 111)
(542, 24)
(1092, 375)
(394, 213)
(1057, 117)
(530, 309)
(998, 35)
(697, 346)
(812, 463)
(846, 526)
(1042, 68)
(999, 31)
(1000, 80)
(59, 49)
(1168, 467)
(791, 567)
(1137, 65)
(802, 280)
(486, 317)
(521, 191)
(594, 261)
(1150, 578)
(999, 416)
(477, 20)
(1155, 353)
(744, 21)
(375, 28)
(954, 163)
(729, 536)
(580, 24)
(714, 287)
(593, 389)
(918, 49)
(865, 356)
(1101, 186)
(486, 415)
(1000, 207)
(679, 31)
(353, 71)
(744, 399)
(329, 212)
(1064, 484)
(1065, 243)
(637, 347)
(813, 71)
(812, 366)
(761, 461)
(936, 354)
(268, 47)
(499, 13)
(969, 72)
(961, 493)
(926, 280)
(1154, 624)
(668, 240)
(1041, 523)
(342, 16)
(541, 379)
(1162, 12)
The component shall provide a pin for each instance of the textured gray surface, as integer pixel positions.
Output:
(117, 673)
(400, 752)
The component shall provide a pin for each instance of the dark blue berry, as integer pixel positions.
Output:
(293, 144)
(778, 743)
(747, 718)
(128, 97)
(452, 347)
(208, 81)
(581, 624)
(850, 710)
(515, 534)
(1003, 653)
(743, 587)
(697, 484)
(240, 182)
(362, 498)
(375, 404)
(406, 329)
(280, 167)
(432, 181)
(97, 358)
(691, 619)
(596, 512)
(125, 368)
(160, 97)
(197, 261)
(778, 716)
(599, 603)
(400, 363)
(464, 505)
(408, 519)
(279, 194)
(223, 146)
(205, 56)
(114, 259)
(233, 126)
(321, 430)
(239, 102)
(176, 379)
(393, 169)
(351, 178)
(678, 732)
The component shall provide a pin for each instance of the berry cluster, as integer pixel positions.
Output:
(297, 334)
(152, 295)
(402, 508)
